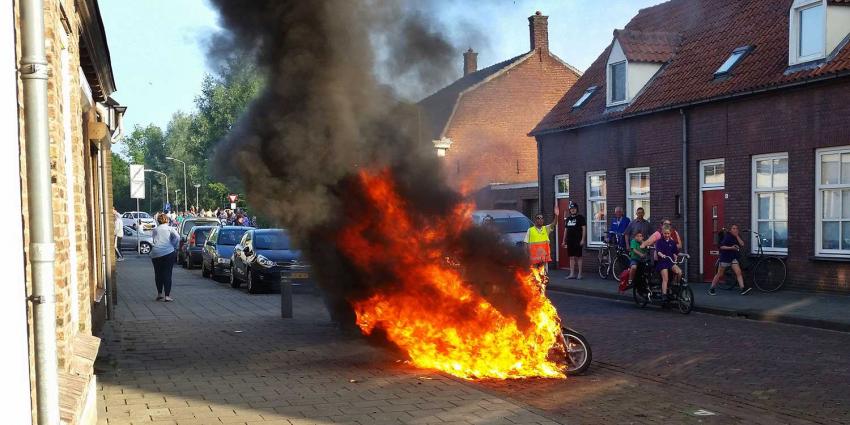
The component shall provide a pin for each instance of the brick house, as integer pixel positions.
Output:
(479, 124)
(714, 112)
(82, 123)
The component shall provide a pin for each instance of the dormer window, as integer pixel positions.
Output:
(583, 99)
(807, 38)
(733, 60)
(617, 79)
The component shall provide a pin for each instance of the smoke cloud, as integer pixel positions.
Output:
(324, 116)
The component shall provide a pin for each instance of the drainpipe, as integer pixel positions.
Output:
(40, 209)
(685, 178)
(106, 266)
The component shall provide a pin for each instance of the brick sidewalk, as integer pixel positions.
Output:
(826, 311)
(218, 355)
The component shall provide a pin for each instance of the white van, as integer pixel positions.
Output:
(513, 225)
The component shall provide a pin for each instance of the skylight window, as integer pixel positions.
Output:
(583, 99)
(733, 60)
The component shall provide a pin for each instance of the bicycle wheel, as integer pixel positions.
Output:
(685, 299)
(769, 274)
(604, 263)
(639, 293)
(621, 263)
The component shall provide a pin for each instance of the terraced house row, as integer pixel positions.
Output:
(712, 113)
(59, 125)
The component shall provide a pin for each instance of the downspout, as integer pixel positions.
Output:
(684, 199)
(40, 209)
(106, 266)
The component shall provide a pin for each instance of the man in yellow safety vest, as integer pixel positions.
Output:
(537, 239)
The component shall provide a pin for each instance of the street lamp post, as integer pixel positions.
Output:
(197, 207)
(147, 170)
(184, 178)
(177, 199)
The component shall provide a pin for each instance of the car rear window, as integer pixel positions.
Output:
(189, 224)
(201, 236)
(271, 240)
(230, 237)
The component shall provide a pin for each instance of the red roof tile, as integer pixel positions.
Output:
(642, 46)
(710, 30)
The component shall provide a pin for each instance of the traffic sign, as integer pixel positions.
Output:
(137, 181)
(233, 198)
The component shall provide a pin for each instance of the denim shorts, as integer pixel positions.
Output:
(722, 264)
(633, 262)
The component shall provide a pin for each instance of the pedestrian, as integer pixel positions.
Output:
(575, 238)
(118, 224)
(730, 253)
(618, 227)
(639, 224)
(164, 255)
(537, 240)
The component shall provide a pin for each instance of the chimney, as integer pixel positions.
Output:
(470, 62)
(538, 26)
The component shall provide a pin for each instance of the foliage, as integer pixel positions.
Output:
(192, 137)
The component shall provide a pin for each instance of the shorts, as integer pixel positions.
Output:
(574, 249)
(724, 264)
(633, 262)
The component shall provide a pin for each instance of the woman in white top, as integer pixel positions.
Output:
(164, 255)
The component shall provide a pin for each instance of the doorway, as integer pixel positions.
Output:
(712, 197)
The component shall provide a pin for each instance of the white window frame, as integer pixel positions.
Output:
(589, 210)
(630, 208)
(797, 7)
(819, 203)
(756, 191)
(562, 195)
(610, 72)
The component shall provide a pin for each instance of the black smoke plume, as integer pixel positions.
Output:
(324, 116)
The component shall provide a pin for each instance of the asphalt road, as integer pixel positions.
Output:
(658, 366)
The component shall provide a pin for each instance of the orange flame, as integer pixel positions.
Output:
(433, 314)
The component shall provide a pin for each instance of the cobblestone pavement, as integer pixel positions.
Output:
(657, 366)
(218, 355)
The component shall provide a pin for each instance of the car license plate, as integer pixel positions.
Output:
(300, 275)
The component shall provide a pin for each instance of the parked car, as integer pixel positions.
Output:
(512, 225)
(130, 241)
(194, 247)
(218, 250)
(183, 229)
(265, 256)
(131, 218)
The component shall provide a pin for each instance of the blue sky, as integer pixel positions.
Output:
(158, 53)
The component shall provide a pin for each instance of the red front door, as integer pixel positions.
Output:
(712, 222)
(564, 207)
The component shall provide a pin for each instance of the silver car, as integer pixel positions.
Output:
(512, 225)
(130, 218)
(131, 240)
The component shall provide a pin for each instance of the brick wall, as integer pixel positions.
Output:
(797, 121)
(490, 126)
(62, 165)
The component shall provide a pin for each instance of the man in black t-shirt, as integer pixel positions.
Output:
(575, 238)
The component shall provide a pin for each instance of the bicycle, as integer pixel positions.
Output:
(613, 258)
(768, 272)
(647, 289)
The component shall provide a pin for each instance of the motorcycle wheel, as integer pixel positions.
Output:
(578, 351)
(685, 300)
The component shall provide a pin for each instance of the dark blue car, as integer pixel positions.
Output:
(263, 258)
(218, 249)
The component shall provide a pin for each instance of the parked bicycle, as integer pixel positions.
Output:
(766, 272)
(647, 287)
(613, 257)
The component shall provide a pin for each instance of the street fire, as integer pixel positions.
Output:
(427, 303)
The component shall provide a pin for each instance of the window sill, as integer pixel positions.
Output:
(827, 259)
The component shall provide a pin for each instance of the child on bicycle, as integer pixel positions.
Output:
(668, 252)
(636, 254)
